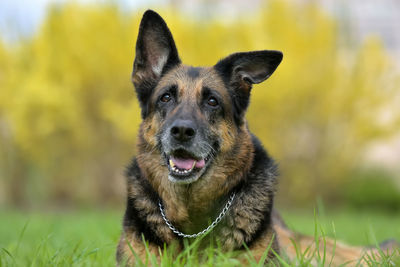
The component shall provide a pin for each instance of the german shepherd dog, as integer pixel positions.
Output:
(198, 167)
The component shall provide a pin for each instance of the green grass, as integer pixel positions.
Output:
(59, 239)
(90, 238)
(353, 227)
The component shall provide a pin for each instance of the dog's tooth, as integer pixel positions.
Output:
(194, 164)
(171, 163)
(179, 171)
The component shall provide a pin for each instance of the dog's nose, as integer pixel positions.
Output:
(183, 130)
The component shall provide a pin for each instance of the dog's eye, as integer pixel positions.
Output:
(165, 97)
(212, 101)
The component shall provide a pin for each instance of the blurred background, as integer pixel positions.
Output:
(330, 114)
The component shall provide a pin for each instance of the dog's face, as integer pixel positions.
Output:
(192, 116)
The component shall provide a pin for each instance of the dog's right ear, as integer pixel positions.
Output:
(156, 53)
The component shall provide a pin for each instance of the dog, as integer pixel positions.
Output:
(199, 169)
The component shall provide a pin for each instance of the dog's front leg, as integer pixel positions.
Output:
(132, 250)
(267, 241)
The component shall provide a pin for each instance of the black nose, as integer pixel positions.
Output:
(183, 130)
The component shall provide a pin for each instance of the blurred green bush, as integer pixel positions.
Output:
(371, 189)
(69, 116)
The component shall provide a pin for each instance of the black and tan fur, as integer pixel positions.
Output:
(175, 96)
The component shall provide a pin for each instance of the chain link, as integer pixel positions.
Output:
(211, 226)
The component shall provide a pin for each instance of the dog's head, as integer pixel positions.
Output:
(192, 116)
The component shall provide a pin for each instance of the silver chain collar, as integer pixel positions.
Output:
(211, 226)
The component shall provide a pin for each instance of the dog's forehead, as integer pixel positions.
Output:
(191, 80)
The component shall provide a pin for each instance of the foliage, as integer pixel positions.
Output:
(68, 114)
(368, 189)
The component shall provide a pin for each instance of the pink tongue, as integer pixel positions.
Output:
(183, 164)
(200, 164)
(186, 164)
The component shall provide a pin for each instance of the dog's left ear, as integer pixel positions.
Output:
(247, 68)
(241, 70)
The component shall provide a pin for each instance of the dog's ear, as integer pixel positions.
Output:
(156, 53)
(241, 70)
(247, 68)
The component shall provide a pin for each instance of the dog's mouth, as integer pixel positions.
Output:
(186, 168)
